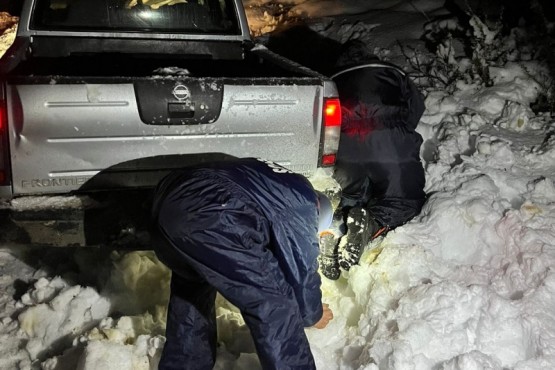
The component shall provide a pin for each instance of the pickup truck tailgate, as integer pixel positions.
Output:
(71, 131)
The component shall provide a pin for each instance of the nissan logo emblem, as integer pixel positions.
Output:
(181, 92)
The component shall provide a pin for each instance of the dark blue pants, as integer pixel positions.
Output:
(190, 326)
(208, 254)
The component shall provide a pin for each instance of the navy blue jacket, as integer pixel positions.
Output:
(285, 204)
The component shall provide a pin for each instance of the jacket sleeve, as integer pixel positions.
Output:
(295, 246)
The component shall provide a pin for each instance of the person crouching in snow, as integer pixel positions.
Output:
(247, 229)
(378, 161)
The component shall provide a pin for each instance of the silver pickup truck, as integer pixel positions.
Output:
(101, 98)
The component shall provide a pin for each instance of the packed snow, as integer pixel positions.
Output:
(468, 284)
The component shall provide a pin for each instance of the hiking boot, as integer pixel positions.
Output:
(359, 229)
(328, 258)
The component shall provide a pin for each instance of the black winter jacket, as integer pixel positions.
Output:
(378, 161)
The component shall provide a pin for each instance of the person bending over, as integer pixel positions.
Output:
(247, 229)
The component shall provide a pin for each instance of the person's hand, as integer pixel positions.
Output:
(327, 316)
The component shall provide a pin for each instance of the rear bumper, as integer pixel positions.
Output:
(115, 219)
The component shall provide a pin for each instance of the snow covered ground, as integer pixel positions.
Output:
(468, 284)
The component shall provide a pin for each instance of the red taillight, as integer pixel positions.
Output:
(2, 117)
(332, 112)
(328, 160)
(4, 167)
(331, 131)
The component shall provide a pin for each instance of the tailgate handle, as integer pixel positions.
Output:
(181, 110)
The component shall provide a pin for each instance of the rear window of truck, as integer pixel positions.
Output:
(164, 16)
